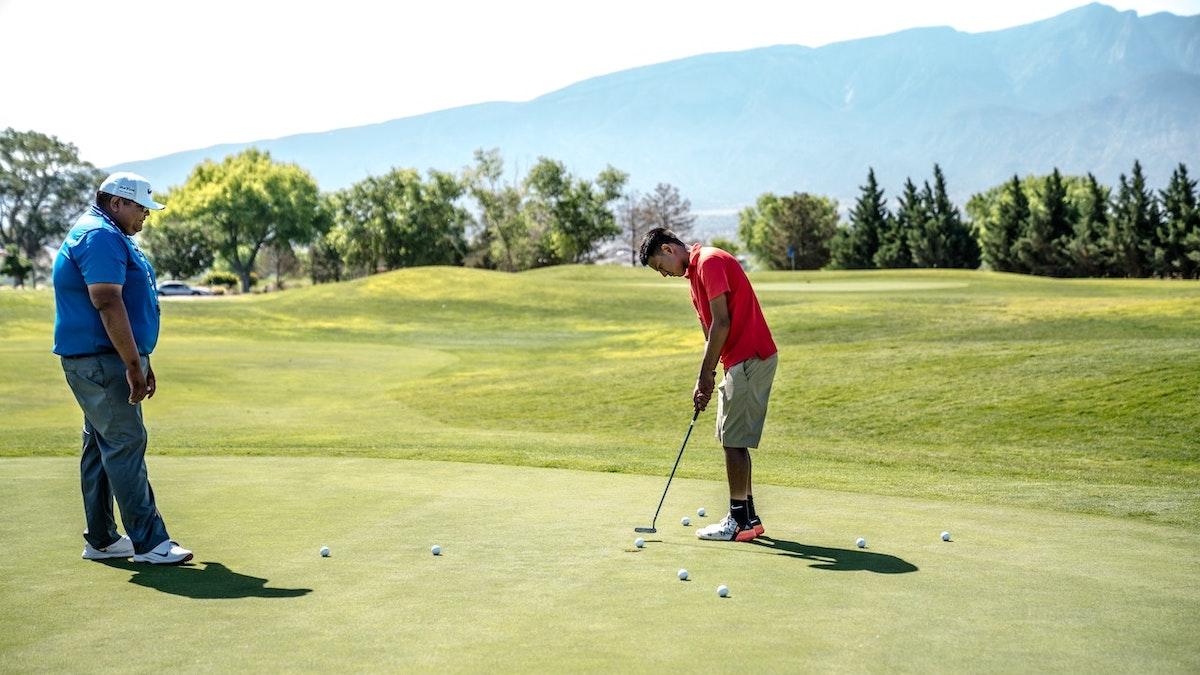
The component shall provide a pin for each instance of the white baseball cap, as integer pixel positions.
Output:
(130, 186)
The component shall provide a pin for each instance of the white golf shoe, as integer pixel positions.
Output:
(726, 530)
(122, 548)
(167, 553)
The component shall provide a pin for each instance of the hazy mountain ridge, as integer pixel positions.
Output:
(1091, 89)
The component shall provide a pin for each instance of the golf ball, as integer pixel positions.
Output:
(700, 511)
(945, 536)
(639, 542)
(685, 521)
(324, 551)
(723, 591)
(860, 542)
(436, 550)
(683, 575)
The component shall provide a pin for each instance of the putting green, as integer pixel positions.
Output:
(539, 573)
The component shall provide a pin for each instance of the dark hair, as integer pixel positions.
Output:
(102, 201)
(653, 241)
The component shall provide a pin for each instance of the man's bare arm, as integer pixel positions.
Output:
(106, 298)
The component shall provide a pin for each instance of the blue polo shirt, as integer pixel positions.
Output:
(96, 251)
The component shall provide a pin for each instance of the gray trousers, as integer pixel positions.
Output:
(113, 463)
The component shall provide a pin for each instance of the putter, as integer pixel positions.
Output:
(651, 529)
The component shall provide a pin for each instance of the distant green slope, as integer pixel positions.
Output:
(1074, 395)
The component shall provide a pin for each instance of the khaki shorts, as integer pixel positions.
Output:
(742, 404)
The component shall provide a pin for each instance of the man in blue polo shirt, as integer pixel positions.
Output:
(106, 326)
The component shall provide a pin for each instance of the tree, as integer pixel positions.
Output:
(1178, 250)
(249, 201)
(1042, 246)
(397, 220)
(178, 248)
(504, 238)
(910, 216)
(792, 232)
(569, 217)
(1001, 222)
(325, 258)
(1134, 226)
(638, 213)
(944, 241)
(728, 245)
(43, 184)
(1086, 250)
(868, 219)
(665, 207)
(18, 267)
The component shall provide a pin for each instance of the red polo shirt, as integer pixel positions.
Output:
(712, 272)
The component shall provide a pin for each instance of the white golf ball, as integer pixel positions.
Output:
(860, 542)
(683, 575)
(324, 551)
(436, 550)
(723, 591)
(639, 542)
(700, 511)
(945, 536)
(685, 521)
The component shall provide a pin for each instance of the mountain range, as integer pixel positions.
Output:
(1092, 89)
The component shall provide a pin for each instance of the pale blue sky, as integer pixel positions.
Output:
(187, 74)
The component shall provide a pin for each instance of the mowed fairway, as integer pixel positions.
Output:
(1050, 425)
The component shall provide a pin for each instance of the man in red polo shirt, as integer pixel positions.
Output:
(737, 335)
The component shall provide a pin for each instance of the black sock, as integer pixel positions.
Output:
(737, 508)
(750, 508)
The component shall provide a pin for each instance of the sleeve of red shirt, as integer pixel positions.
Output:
(713, 277)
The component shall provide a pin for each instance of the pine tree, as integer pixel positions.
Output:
(923, 241)
(893, 241)
(868, 219)
(1134, 226)
(1178, 250)
(1087, 251)
(1042, 248)
(945, 240)
(1012, 219)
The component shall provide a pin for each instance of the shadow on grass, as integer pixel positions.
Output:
(838, 559)
(213, 581)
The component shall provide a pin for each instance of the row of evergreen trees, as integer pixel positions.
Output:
(1051, 225)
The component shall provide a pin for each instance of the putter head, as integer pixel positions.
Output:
(647, 530)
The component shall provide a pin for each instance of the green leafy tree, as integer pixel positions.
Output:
(43, 185)
(1178, 250)
(1001, 221)
(178, 248)
(791, 232)
(1042, 246)
(569, 217)
(945, 241)
(1134, 226)
(503, 242)
(728, 245)
(857, 246)
(1087, 252)
(910, 216)
(248, 201)
(398, 220)
(18, 267)
(325, 258)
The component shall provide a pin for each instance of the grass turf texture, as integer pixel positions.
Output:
(539, 573)
(1076, 396)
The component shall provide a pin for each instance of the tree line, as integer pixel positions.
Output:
(1053, 225)
(250, 214)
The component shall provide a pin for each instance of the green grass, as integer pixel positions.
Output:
(1051, 425)
(1075, 396)
(539, 574)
